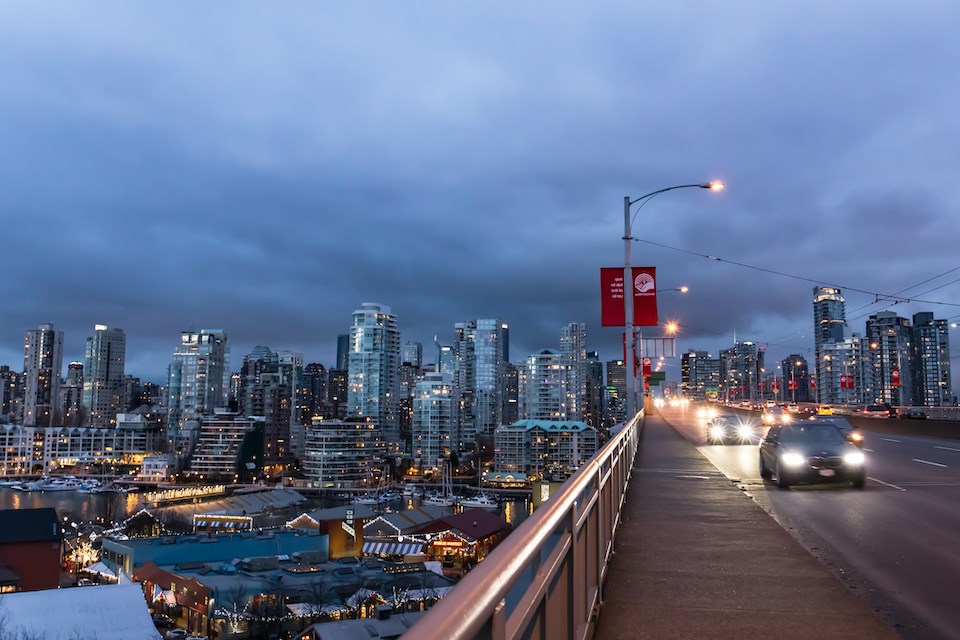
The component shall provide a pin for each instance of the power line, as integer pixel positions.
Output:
(879, 296)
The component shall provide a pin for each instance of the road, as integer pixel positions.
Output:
(895, 542)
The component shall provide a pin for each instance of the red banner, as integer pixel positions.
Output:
(792, 384)
(644, 297)
(813, 383)
(776, 386)
(895, 377)
(846, 382)
(646, 366)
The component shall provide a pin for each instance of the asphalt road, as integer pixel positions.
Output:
(896, 542)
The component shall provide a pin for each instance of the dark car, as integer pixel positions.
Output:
(730, 428)
(877, 411)
(913, 413)
(810, 451)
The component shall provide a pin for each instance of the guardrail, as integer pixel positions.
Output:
(545, 580)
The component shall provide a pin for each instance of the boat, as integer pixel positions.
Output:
(390, 496)
(59, 484)
(412, 491)
(366, 499)
(481, 501)
(445, 497)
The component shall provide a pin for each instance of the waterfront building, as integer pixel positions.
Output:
(42, 362)
(104, 360)
(931, 377)
(343, 454)
(482, 348)
(267, 383)
(543, 394)
(226, 441)
(434, 420)
(544, 448)
(890, 342)
(373, 387)
(11, 395)
(573, 347)
(196, 379)
(71, 395)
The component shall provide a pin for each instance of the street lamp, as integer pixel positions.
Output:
(629, 285)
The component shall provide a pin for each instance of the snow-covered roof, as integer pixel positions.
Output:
(111, 612)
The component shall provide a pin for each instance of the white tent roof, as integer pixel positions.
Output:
(110, 612)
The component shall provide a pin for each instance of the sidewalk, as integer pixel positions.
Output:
(696, 558)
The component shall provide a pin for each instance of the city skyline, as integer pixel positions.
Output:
(171, 168)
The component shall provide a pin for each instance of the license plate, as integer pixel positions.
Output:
(828, 473)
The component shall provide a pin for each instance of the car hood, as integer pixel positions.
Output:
(808, 449)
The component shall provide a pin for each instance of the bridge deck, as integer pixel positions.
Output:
(696, 558)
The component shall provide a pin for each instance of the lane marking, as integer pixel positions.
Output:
(868, 450)
(932, 464)
(891, 440)
(947, 448)
(887, 484)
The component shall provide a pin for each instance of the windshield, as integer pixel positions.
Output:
(826, 433)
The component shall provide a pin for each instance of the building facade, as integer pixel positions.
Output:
(373, 384)
(42, 362)
(434, 420)
(103, 376)
(543, 393)
(343, 454)
(544, 449)
(195, 379)
(931, 357)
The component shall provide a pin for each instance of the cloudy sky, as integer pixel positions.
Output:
(265, 169)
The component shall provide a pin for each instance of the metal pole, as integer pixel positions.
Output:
(629, 355)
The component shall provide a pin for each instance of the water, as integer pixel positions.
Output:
(85, 507)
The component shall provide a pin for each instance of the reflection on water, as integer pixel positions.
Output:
(115, 507)
(86, 507)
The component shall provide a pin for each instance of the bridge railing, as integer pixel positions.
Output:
(545, 580)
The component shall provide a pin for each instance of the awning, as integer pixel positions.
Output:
(393, 548)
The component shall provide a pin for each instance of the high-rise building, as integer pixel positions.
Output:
(740, 368)
(573, 347)
(71, 395)
(315, 380)
(413, 354)
(615, 393)
(593, 400)
(343, 454)
(890, 341)
(699, 376)
(480, 347)
(843, 377)
(267, 383)
(795, 384)
(543, 395)
(343, 351)
(931, 357)
(829, 320)
(434, 420)
(42, 362)
(373, 387)
(11, 395)
(104, 360)
(195, 379)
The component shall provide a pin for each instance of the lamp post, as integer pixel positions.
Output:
(628, 286)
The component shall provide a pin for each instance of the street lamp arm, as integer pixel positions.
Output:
(716, 185)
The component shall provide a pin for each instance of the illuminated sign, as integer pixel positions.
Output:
(452, 544)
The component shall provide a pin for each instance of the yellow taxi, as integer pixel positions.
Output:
(824, 410)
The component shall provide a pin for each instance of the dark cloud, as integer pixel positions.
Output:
(265, 172)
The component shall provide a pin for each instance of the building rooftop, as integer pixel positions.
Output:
(29, 525)
(552, 425)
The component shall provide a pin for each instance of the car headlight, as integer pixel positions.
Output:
(745, 432)
(793, 459)
(716, 432)
(854, 458)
